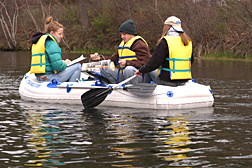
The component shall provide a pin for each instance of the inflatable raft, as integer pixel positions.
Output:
(52, 92)
(191, 95)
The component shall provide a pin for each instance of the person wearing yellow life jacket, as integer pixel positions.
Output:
(171, 60)
(132, 53)
(46, 61)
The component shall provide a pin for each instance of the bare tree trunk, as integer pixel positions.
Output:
(128, 4)
(27, 8)
(156, 10)
(8, 24)
(84, 13)
(45, 12)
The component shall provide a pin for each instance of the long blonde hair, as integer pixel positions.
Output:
(184, 38)
(51, 25)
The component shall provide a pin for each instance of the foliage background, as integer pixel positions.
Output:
(215, 26)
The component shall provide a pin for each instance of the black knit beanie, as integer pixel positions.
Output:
(128, 27)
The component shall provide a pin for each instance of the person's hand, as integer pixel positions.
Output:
(95, 56)
(138, 73)
(67, 61)
(122, 62)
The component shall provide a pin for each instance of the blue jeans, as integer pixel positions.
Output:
(151, 76)
(128, 72)
(70, 74)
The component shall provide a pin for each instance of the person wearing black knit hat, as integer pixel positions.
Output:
(132, 53)
(128, 27)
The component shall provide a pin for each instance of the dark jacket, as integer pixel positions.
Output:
(36, 37)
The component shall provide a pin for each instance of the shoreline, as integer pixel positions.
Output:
(212, 57)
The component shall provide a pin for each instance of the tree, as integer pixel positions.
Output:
(84, 13)
(9, 24)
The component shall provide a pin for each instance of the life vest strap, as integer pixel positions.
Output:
(132, 56)
(41, 57)
(121, 69)
(40, 64)
(177, 59)
(173, 70)
(123, 48)
(173, 63)
(39, 54)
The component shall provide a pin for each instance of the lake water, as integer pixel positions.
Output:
(53, 135)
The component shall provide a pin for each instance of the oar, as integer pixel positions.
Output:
(140, 89)
(94, 97)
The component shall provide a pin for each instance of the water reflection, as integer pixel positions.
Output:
(51, 134)
(174, 139)
(43, 135)
(168, 141)
(110, 137)
(155, 134)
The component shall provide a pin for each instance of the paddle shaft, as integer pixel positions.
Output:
(125, 81)
(140, 89)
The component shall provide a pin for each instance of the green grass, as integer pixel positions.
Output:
(249, 57)
(226, 55)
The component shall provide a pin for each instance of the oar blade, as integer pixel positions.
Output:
(142, 89)
(94, 97)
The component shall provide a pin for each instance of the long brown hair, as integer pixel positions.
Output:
(51, 25)
(184, 38)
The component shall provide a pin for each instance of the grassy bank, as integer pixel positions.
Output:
(227, 56)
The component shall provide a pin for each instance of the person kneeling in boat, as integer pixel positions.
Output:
(133, 52)
(171, 60)
(46, 62)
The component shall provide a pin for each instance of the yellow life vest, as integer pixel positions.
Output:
(179, 58)
(38, 60)
(125, 52)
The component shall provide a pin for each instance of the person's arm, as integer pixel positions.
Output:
(54, 53)
(158, 58)
(98, 57)
(114, 57)
(192, 58)
(142, 53)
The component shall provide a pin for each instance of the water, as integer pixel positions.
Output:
(54, 135)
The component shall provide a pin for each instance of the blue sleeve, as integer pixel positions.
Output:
(54, 53)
